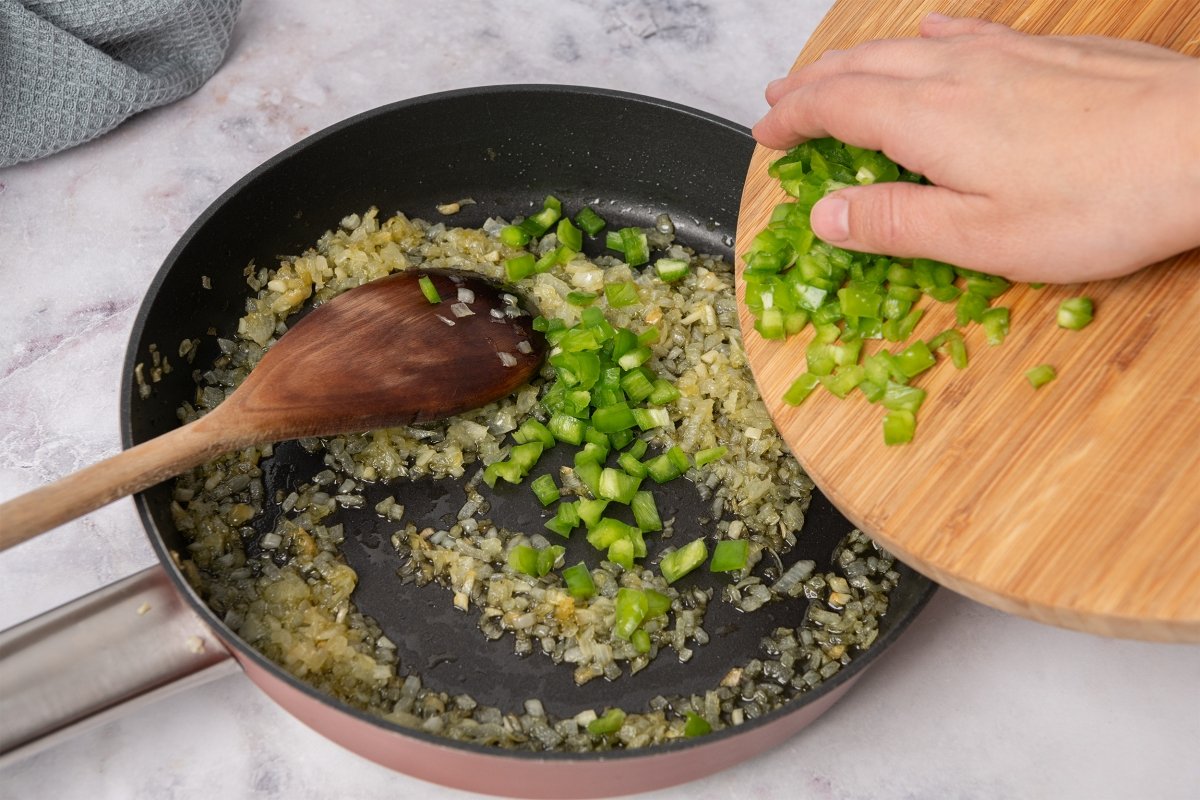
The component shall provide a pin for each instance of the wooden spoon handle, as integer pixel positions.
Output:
(135, 469)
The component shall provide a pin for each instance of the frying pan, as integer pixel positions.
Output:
(506, 148)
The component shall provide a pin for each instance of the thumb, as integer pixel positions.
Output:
(907, 220)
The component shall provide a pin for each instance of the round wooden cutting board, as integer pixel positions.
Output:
(1077, 504)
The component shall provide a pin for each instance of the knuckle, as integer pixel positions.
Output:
(864, 51)
(792, 116)
(817, 101)
(976, 25)
(826, 100)
(885, 220)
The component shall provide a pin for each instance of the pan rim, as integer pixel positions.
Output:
(244, 650)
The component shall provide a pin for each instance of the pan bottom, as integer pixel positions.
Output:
(441, 631)
(444, 645)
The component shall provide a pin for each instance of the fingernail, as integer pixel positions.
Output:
(830, 219)
(934, 16)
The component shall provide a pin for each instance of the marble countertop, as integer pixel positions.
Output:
(970, 703)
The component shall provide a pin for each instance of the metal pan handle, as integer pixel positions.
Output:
(85, 662)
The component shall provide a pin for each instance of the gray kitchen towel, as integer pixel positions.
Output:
(71, 70)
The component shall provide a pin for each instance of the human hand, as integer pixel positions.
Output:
(1056, 159)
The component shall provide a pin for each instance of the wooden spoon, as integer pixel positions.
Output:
(376, 356)
(1077, 504)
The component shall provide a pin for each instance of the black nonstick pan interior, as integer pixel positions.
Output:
(445, 646)
(505, 148)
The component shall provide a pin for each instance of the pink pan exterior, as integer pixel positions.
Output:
(521, 775)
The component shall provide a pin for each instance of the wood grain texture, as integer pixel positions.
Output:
(377, 356)
(1076, 505)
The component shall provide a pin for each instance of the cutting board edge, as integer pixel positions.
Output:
(1172, 629)
(1086, 619)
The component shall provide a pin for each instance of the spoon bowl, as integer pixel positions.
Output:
(377, 356)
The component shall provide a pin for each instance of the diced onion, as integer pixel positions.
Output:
(756, 483)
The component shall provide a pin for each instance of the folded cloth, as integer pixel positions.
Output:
(71, 70)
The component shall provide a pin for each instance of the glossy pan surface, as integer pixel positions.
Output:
(506, 148)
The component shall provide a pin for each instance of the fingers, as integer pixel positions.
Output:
(937, 26)
(903, 219)
(900, 58)
(897, 58)
(856, 108)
